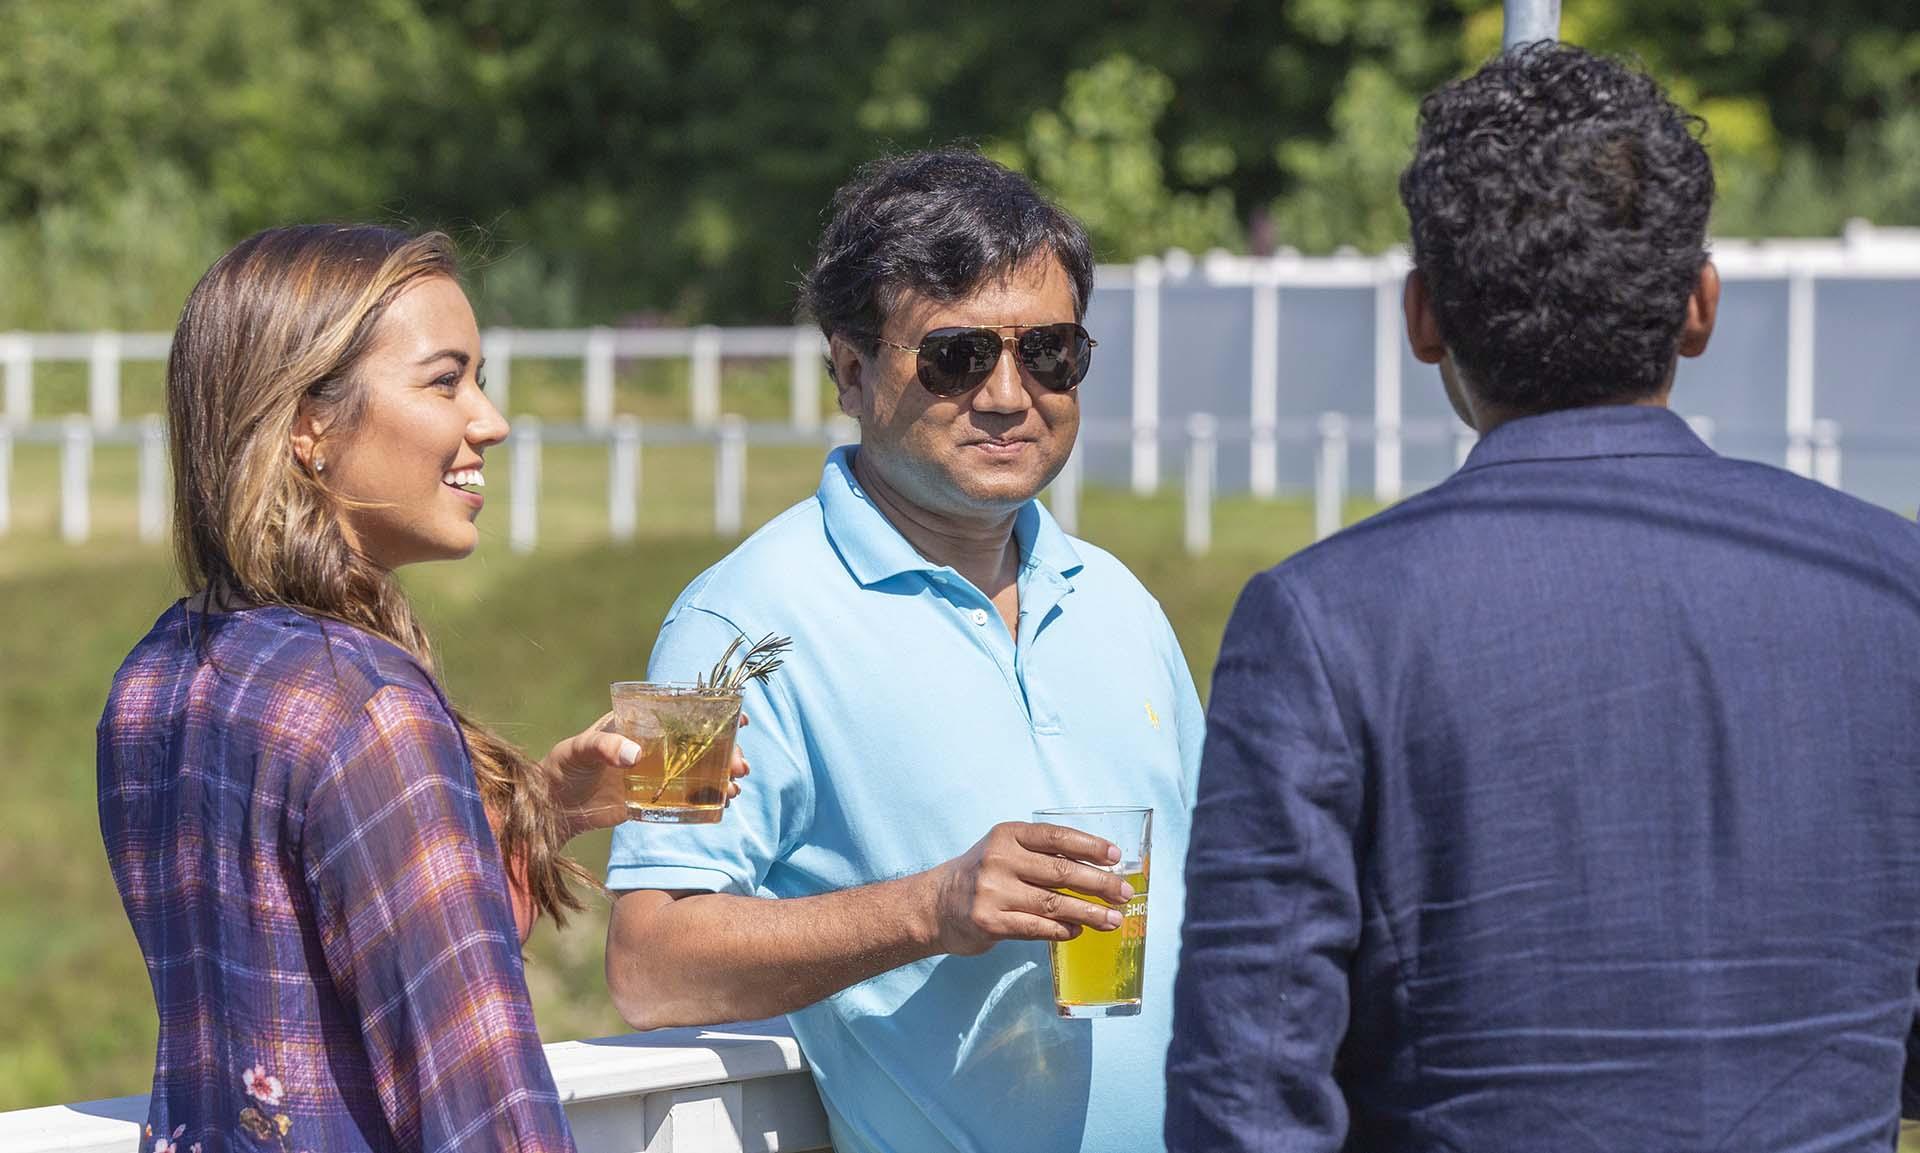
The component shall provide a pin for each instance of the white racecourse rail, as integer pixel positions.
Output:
(1179, 387)
(733, 1089)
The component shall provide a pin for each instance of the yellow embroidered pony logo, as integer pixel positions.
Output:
(1153, 718)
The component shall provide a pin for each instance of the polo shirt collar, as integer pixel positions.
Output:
(1603, 430)
(1043, 546)
(874, 550)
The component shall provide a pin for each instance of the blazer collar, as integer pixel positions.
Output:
(1603, 430)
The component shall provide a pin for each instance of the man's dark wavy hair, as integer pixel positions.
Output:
(1559, 206)
(941, 223)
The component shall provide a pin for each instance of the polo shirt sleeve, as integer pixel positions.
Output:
(775, 806)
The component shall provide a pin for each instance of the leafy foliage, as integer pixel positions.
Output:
(612, 160)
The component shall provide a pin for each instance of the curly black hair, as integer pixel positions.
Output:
(1559, 205)
(938, 222)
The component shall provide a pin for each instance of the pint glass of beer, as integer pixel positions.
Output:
(1099, 973)
(685, 734)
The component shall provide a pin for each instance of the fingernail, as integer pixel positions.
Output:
(1126, 891)
(1113, 854)
(629, 752)
(1113, 919)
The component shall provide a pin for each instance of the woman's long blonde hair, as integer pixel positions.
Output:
(279, 324)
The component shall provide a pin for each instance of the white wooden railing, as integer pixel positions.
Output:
(740, 1089)
(1864, 253)
(1811, 445)
(1328, 439)
(599, 350)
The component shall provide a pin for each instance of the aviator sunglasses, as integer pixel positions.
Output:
(952, 361)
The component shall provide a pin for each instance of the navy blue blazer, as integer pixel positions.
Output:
(1572, 805)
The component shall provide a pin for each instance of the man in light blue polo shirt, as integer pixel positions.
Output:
(957, 663)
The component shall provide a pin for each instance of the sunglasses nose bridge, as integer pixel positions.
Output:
(1004, 390)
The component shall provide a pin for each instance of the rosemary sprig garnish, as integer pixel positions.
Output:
(761, 660)
(684, 744)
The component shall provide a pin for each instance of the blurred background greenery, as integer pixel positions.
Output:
(613, 160)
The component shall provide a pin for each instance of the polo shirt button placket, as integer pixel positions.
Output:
(978, 616)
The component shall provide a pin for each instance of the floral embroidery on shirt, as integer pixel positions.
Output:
(263, 1086)
(270, 1091)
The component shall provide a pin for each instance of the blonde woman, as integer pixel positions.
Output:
(329, 868)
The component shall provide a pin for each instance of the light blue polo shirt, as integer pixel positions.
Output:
(905, 725)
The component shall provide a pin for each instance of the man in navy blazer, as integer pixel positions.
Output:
(1574, 804)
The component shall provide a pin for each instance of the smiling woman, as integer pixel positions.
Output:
(408, 470)
(329, 868)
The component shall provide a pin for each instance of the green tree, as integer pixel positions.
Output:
(1099, 154)
(615, 159)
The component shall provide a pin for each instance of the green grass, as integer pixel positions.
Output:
(528, 642)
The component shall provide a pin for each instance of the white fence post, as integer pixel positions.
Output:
(705, 374)
(1263, 458)
(76, 468)
(1464, 438)
(523, 463)
(1826, 452)
(18, 349)
(597, 383)
(1330, 476)
(1063, 495)
(153, 479)
(1203, 447)
(730, 476)
(623, 478)
(1146, 376)
(496, 348)
(103, 379)
(702, 1119)
(1800, 301)
(6, 478)
(803, 394)
(1387, 327)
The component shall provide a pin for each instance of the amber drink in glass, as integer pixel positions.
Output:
(1100, 972)
(685, 734)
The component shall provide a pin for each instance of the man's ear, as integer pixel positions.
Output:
(844, 364)
(1703, 306)
(1423, 327)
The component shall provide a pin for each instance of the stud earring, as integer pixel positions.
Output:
(319, 465)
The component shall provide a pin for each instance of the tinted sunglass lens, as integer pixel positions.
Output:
(1056, 354)
(1043, 350)
(955, 361)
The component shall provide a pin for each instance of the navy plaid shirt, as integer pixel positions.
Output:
(296, 832)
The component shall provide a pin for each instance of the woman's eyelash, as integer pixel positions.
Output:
(450, 380)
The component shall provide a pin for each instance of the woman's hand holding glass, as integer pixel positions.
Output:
(588, 775)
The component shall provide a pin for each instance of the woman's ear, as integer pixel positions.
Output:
(308, 432)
